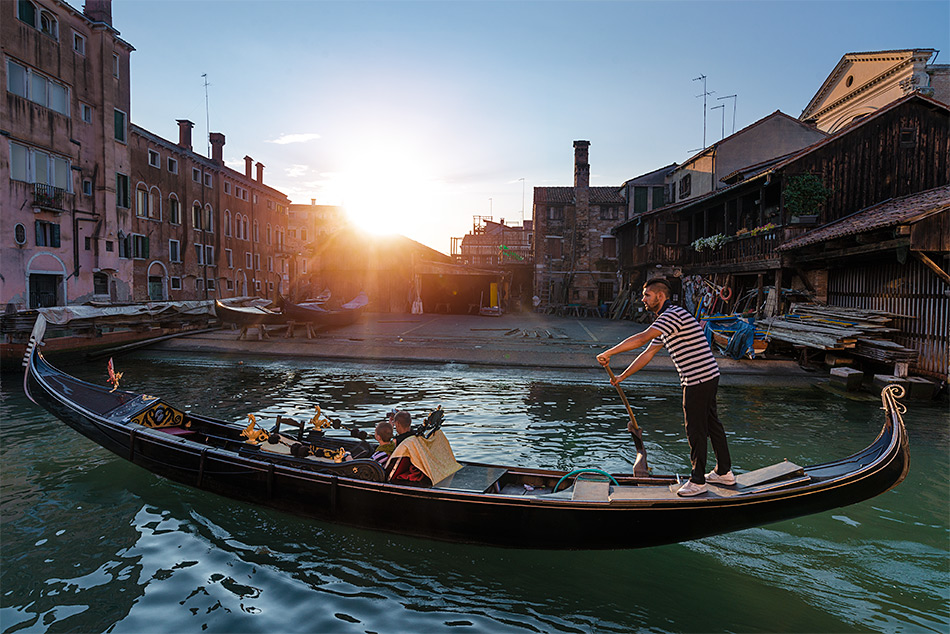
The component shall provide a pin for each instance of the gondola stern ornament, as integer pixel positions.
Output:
(254, 436)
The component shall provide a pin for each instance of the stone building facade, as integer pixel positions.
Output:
(575, 253)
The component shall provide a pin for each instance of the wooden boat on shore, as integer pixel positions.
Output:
(730, 333)
(319, 315)
(299, 471)
(248, 315)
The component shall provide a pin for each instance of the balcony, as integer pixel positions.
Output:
(738, 252)
(49, 198)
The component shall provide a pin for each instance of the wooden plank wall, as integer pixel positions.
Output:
(906, 289)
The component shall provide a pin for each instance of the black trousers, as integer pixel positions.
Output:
(702, 422)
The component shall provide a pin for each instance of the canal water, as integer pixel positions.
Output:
(91, 543)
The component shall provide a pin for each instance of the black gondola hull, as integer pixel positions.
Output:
(341, 495)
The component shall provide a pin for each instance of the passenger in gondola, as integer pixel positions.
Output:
(402, 421)
(385, 443)
(401, 469)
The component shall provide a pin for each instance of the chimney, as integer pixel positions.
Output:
(98, 11)
(260, 172)
(581, 166)
(248, 163)
(313, 202)
(217, 148)
(184, 133)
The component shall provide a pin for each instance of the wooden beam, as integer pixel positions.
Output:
(932, 265)
(843, 253)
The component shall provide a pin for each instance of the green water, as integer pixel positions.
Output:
(90, 543)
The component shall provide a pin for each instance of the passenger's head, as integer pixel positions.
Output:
(402, 421)
(384, 431)
(655, 294)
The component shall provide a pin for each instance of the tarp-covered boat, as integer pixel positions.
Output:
(320, 315)
(300, 471)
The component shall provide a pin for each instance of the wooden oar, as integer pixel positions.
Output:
(640, 468)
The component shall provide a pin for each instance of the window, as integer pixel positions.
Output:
(608, 213)
(270, 264)
(86, 187)
(49, 25)
(255, 199)
(230, 285)
(79, 43)
(247, 260)
(100, 283)
(228, 256)
(172, 165)
(29, 84)
(35, 166)
(209, 255)
(141, 203)
(303, 266)
(154, 159)
(120, 121)
(115, 65)
(122, 192)
(267, 234)
(207, 179)
(139, 246)
(555, 213)
(227, 222)
(672, 233)
(685, 186)
(209, 219)
(303, 235)
(257, 286)
(176, 283)
(639, 200)
(908, 138)
(47, 234)
(659, 197)
(85, 112)
(195, 174)
(257, 232)
(174, 210)
(227, 188)
(110, 246)
(26, 11)
(257, 261)
(196, 216)
(210, 284)
(174, 251)
(553, 247)
(609, 246)
(19, 234)
(88, 243)
(200, 253)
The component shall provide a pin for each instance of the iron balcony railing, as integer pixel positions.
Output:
(49, 197)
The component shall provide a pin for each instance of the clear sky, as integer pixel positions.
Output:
(420, 115)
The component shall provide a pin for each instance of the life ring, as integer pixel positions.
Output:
(725, 293)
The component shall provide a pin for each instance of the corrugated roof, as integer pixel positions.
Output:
(886, 214)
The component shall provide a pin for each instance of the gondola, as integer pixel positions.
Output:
(298, 469)
(248, 315)
(319, 315)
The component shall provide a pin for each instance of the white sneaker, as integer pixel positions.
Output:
(727, 479)
(690, 489)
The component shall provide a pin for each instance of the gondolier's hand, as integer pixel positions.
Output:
(603, 359)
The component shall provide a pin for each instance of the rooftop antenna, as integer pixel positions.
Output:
(207, 113)
(522, 200)
(722, 134)
(704, 95)
(734, 100)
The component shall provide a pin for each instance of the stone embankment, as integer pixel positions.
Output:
(521, 340)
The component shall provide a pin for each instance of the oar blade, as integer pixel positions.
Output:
(640, 467)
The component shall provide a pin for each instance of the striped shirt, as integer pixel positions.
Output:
(683, 337)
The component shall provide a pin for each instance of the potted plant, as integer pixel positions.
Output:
(804, 195)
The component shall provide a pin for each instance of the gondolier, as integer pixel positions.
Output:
(699, 376)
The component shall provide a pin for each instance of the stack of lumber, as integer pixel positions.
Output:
(862, 332)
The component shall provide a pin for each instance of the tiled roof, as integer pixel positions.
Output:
(565, 195)
(886, 214)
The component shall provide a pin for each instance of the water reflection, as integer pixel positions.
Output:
(91, 543)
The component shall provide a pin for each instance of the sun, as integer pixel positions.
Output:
(384, 190)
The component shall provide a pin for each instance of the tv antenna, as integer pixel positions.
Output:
(734, 100)
(207, 113)
(704, 95)
(722, 133)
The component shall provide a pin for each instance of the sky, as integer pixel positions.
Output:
(418, 116)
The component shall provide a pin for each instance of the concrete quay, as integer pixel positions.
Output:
(526, 340)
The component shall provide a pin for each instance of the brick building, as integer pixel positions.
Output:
(575, 254)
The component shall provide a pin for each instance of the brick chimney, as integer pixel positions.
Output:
(260, 172)
(217, 148)
(581, 178)
(184, 133)
(98, 11)
(248, 166)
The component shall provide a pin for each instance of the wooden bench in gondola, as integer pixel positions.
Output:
(473, 478)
